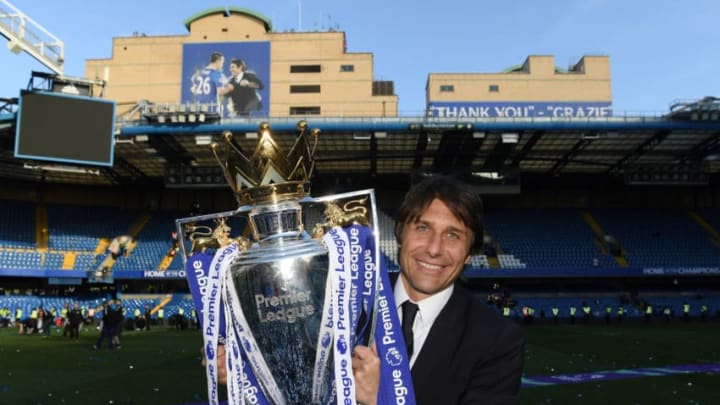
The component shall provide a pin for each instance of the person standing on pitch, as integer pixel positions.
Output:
(460, 351)
(75, 318)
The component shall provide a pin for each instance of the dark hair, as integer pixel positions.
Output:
(215, 56)
(466, 205)
(238, 62)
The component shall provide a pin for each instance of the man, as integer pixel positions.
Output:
(148, 317)
(463, 352)
(75, 318)
(243, 96)
(209, 83)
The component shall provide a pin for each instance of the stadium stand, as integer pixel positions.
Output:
(521, 238)
(527, 240)
(78, 228)
(544, 238)
(17, 225)
(153, 243)
(657, 238)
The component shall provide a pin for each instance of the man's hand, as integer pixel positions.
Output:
(221, 367)
(366, 369)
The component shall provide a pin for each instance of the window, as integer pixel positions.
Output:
(347, 68)
(493, 88)
(447, 88)
(383, 88)
(305, 69)
(305, 88)
(305, 110)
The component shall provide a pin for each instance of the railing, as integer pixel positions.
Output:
(26, 34)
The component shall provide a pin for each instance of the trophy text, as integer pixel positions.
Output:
(284, 307)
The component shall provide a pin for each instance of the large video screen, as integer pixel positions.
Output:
(63, 128)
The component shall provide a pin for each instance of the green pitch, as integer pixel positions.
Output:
(163, 366)
(566, 350)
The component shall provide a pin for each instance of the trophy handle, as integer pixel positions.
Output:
(201, 237)
(345, 209)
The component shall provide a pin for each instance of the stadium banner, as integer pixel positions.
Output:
(681, 271)
(44, 273)
(230, 78)
(470, 273)
(571, 272)
(517, 109)
(557, 272)
(164, 274)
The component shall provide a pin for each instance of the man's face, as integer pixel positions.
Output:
(433, 251)
(234, 69)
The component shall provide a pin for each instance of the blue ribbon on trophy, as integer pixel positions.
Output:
(395, 378)
(290, 308)
(206, 281)
(202, 286)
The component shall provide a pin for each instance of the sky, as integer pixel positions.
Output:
(661, 51)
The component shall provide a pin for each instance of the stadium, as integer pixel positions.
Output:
(602, 230)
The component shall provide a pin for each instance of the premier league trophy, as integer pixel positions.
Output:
(290, 305)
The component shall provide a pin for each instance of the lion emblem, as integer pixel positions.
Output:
(352, 212)
(204, 237)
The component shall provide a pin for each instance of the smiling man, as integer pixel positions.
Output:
(460, 351)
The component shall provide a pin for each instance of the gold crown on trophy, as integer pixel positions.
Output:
(269, 175)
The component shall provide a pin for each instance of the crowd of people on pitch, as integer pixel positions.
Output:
(110, 318)
(589, 312)
(42, 321)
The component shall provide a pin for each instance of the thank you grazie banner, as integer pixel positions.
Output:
(515, 109)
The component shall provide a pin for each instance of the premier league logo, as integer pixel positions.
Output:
(393, 357)
(342, 345)
(326, 339)
(209, 352)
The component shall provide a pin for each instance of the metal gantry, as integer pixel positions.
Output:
(24, 34)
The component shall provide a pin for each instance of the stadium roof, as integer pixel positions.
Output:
(682, 146)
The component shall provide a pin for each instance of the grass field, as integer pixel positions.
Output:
(569, 349)
(162, 366)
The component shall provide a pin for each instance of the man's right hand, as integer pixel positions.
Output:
(366, 369)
